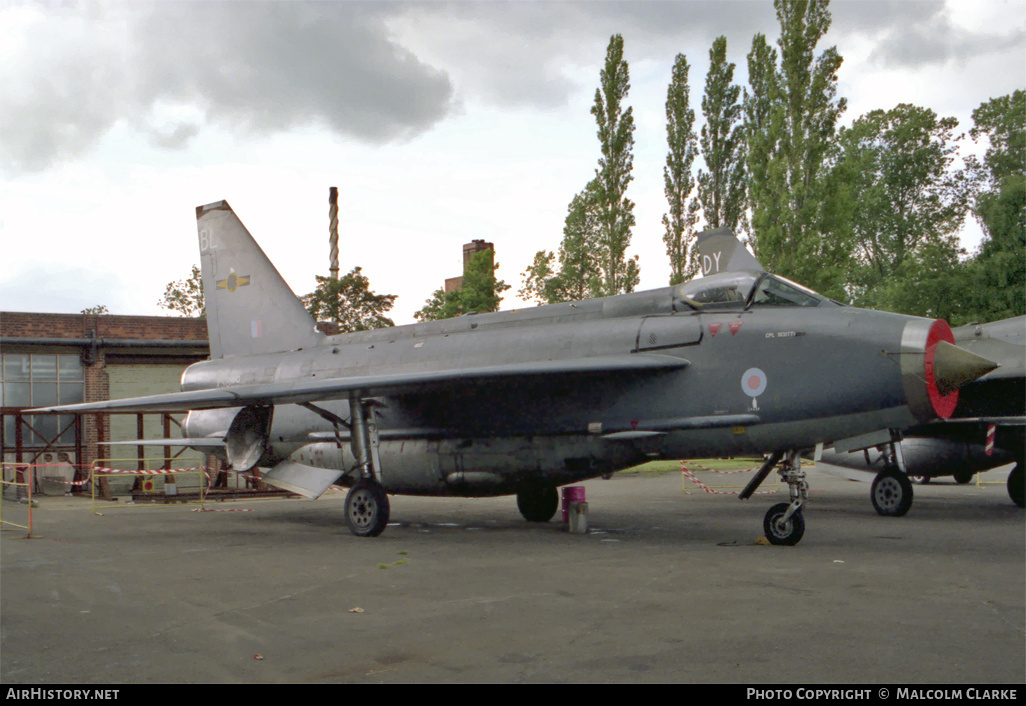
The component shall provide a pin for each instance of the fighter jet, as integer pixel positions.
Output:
(521, 402)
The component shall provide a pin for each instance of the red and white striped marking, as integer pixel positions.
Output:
(226, 509)
(694, 479)
(155, 472)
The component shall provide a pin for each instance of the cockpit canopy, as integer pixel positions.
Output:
(741, 290)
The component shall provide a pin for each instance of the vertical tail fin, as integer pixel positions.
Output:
(720, 251)
(250, 308)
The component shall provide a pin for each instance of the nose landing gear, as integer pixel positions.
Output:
(783, 524)
(781, 528)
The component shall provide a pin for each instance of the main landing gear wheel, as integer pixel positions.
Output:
(1015, 484)
(780, 531)
(891, 493)
(963, 477)
(367, 509)
(538, 503)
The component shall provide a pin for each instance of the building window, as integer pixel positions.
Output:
(40, 380)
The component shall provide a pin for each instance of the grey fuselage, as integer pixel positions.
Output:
(762, 377)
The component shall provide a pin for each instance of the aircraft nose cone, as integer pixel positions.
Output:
(933, 368)
(954, 367)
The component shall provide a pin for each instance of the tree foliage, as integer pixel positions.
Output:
(799, 109)
(678, 183)
(480, 292)
(578, 275)
(908, 200)
(349, 302)
(759, 107)
(185, 296)
(592, 260)
(613, 210)
(721, 189)
(870, 214)
(1003, 122)
(998, 269)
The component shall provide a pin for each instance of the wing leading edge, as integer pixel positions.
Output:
(298, 392)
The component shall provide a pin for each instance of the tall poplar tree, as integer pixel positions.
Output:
(760, 139)
(722, 188)
(678, 183)
(592, 258)
(614, 211)
(788, 192)
(577, 275)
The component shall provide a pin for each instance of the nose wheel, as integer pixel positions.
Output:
(783, 523)
(781, 528)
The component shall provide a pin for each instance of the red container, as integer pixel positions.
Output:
(571, 494)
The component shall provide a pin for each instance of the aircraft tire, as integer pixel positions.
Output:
(783, 533)
(367, 509)
(538, 503)
(963, 477)
(1015, 484)
(891, 493)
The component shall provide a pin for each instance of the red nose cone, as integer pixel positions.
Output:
(943, 405)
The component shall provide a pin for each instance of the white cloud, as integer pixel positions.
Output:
(75, 72)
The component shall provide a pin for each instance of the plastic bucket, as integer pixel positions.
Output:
(571, 494)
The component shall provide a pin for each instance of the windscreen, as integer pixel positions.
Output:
(725, 290)
(777, 291)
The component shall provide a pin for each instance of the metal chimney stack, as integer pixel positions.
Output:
(333, 231)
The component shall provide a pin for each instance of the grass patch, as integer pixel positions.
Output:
(658, 468)
(398, 562)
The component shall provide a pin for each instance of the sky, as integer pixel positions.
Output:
(439, 122)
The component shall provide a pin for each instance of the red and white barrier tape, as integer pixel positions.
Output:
(227, 509)
(155, 472)
(694, 479)
(714, 470)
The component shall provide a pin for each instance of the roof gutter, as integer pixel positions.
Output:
(120, 342)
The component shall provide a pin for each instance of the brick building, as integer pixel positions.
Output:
(469, 250)
(52, 359)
